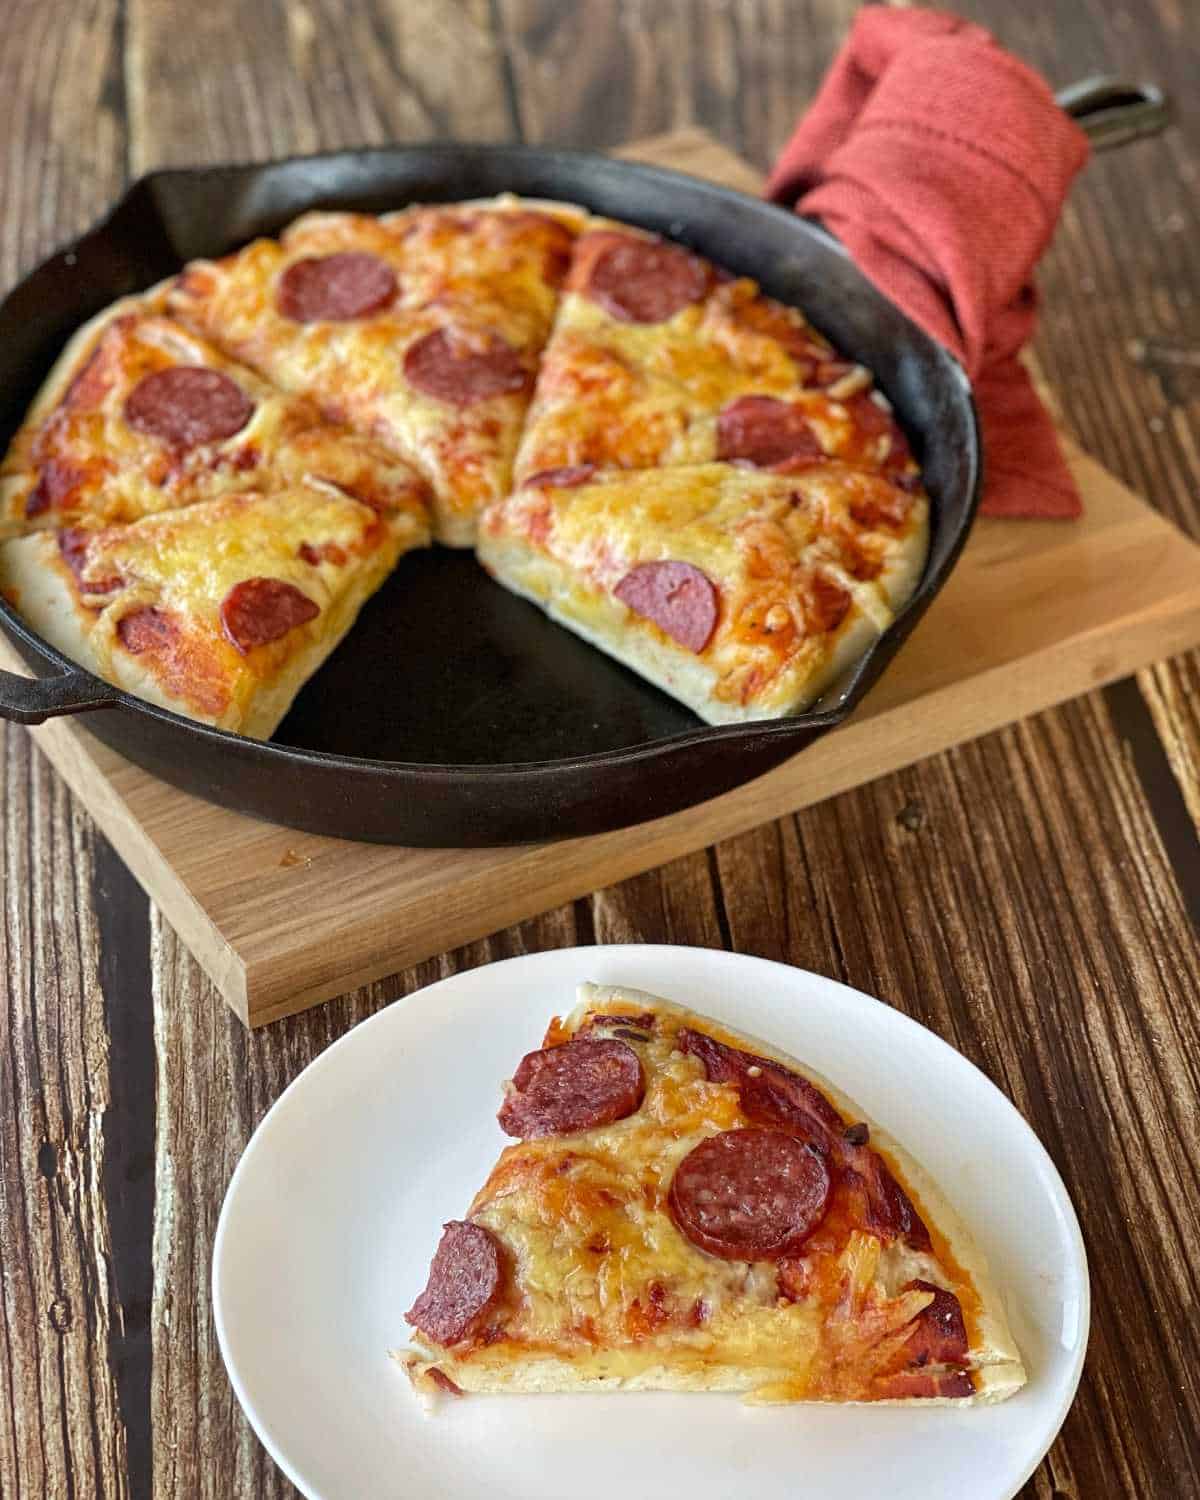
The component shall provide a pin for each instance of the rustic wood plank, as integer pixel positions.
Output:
(250, 79)
(61, 1429)
(608, 71)
(69, 1297)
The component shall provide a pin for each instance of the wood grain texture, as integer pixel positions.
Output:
(1017, 894)
(68, 1308)
(282, 920)
(60, 1413)
(244, 80)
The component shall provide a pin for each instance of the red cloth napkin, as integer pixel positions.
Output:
(941, 162)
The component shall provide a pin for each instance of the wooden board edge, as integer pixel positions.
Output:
(1073, 667)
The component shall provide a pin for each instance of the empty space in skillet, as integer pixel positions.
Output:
(446, 667)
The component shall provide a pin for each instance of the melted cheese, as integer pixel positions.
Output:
(769, 542)
(113, 473)
(628, 395)
(485, 270)
(185, 563)
(604, 1283)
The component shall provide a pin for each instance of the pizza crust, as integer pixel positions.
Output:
(548, 1377)
(31, 572)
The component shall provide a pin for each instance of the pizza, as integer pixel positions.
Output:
(684, 1208)
(423, 327)
(658, 358)
(676, 467)
(139, 415)
(220, 610)
(742, 592)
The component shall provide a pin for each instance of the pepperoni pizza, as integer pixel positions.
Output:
(139, 415)
(741, 591)
(688, 1209)
(676, 467)
(221, 610)
(658, 358)
(423, 327)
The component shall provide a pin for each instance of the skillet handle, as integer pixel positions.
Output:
(33, 700)
(1111, 112)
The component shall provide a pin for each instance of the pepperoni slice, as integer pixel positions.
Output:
(56, 479)
(461, 370)
(260, 610)
(940, 1336)
(188, 405)
(146, 629)
(771, 1094)
(575, 1086)
(562, 478)
(750, 1194)
(73, 543)
(335, 288)
(646, 281)
(767, 433)
(464, 1279)
(881, 1204)
(678, 597)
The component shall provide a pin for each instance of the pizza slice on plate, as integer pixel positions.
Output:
(140, 415)
(742, 592)
(688, 1209)
(221, 610)
(660, 358)
(423, 328)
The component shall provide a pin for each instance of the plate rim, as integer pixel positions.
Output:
(1049, 1172)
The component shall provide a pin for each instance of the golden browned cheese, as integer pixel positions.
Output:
(488, 272)
(153, 595)
(83, 462)
(797, 576)
(619, 393)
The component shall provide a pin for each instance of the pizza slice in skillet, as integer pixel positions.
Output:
(743, 593)
(658, 358)
(688, 1209)
(422, 328)
(140, 415)
(221, 610)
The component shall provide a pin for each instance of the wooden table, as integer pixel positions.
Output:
(1032, 896)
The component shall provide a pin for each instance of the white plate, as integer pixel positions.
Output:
(335, 1208)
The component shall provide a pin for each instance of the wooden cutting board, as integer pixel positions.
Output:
(1035, 612)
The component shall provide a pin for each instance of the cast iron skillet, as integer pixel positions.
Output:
(455, 714)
